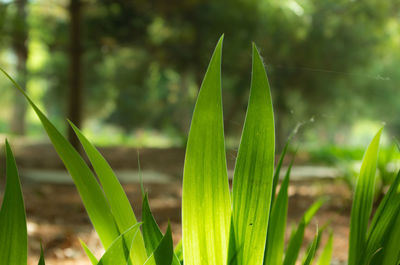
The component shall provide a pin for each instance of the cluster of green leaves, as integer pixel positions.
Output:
(378, 242)
(245, 227)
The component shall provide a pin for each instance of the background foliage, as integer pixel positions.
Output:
(334, 62)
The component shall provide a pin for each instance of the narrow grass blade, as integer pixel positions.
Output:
(163, 254)
(362, 203)
(277, 225)
(206, 207)
(119, 251)
(326, 255)
(151, 232)
(116, 197)
(89, 253)
(312, 249)
(41, 259)
(297, 237)
(278, 171)
(89, 189)
(13, 232)
(253, 177)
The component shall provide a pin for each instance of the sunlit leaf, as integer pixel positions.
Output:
(206, 207)
(89, 189)
(119, 251)
(118, 201)
(253, 177)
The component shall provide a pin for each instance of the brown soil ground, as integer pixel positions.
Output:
(57, 218)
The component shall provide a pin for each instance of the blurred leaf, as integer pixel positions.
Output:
(296, 239)
(383, 220)
(41, 260)
(312, 249)
(326, 255)
(206, 203)
(89, 253)
(13, 232)
(391, 255)
(179, 252)
(362, 203)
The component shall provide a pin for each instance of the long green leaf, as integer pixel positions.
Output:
(362, 203)
(206, 208)
(13, 232)
(277, 225)
(89, 189)
(253, 177)
(119, 252)
(119, 203)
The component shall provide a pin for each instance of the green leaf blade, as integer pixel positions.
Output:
(205, 195)
(89, 189)
(163, 254)
(13, 231)
(115, 194)
(326, 255)
(277, 225)
(89, 253)
(297, 237)
(119, 251)
(151, 232)
(41, 259)
(253, 177)
(362, 203)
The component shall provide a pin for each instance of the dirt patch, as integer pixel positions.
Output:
(57, 218)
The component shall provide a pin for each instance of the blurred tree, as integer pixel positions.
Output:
(19, 43)
(143, 61)
(75, 100)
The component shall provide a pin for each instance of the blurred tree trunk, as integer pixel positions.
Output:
(20, 37)
(75, 72)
